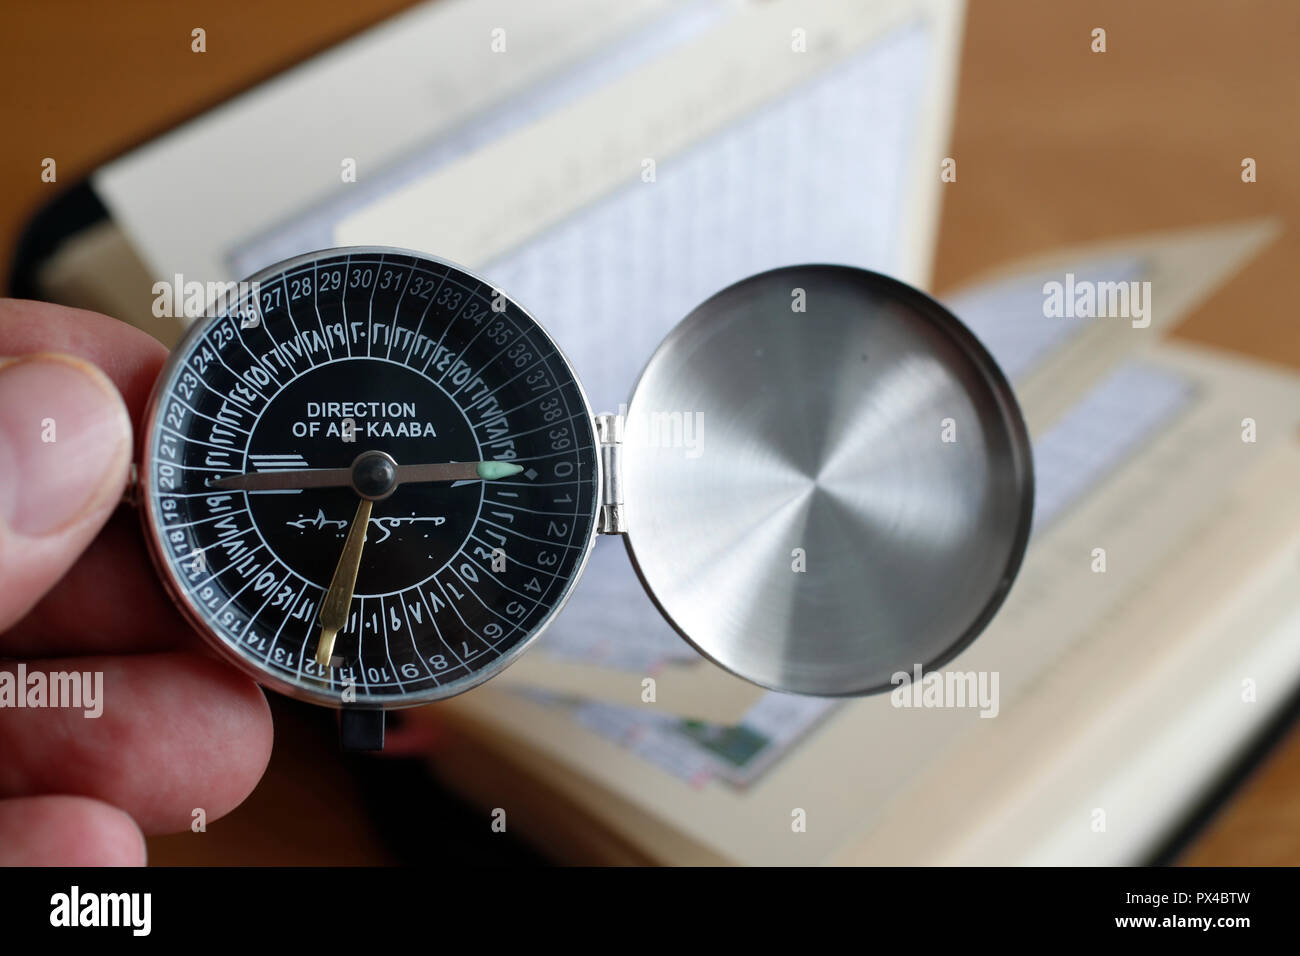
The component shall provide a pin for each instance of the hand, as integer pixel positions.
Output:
(179, 730)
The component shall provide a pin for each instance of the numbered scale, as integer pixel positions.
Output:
(371, 480)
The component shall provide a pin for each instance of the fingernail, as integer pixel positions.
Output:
(65, 442)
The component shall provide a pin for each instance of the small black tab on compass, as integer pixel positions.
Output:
(361, 730)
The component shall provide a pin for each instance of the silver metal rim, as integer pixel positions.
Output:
(192, 614)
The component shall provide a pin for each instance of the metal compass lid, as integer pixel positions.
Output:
(824, 479)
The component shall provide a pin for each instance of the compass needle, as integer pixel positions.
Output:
(300, 479)
(337, 602)
(422, 373)
(286, 480)
(492, 470)
(457, 471)
(394, 377)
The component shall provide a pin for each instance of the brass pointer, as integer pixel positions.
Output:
(338, 599)
(373, 475)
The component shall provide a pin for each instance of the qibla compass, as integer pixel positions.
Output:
(372, 479)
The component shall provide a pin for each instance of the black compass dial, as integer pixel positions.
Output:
(326, 361)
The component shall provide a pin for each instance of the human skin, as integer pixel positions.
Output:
(180, 730)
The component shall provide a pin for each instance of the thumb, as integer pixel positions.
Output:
(65, 451)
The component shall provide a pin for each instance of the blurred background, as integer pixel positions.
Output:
(977, 151)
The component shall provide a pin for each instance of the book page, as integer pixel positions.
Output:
(856, 761)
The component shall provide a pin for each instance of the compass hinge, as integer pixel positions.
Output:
(609, 438)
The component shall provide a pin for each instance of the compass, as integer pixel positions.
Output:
(371, 480)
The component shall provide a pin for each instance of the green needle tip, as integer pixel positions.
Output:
(490, 470)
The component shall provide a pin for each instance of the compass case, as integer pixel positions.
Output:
(826, 481)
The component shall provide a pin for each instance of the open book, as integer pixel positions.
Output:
(1119, 693)
(619, 165)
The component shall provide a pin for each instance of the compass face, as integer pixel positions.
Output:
(324, 361)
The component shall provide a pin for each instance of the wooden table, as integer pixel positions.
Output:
(1055, 144)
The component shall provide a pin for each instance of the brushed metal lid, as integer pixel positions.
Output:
(819, 499)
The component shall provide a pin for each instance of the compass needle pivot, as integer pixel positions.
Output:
(338, 380)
